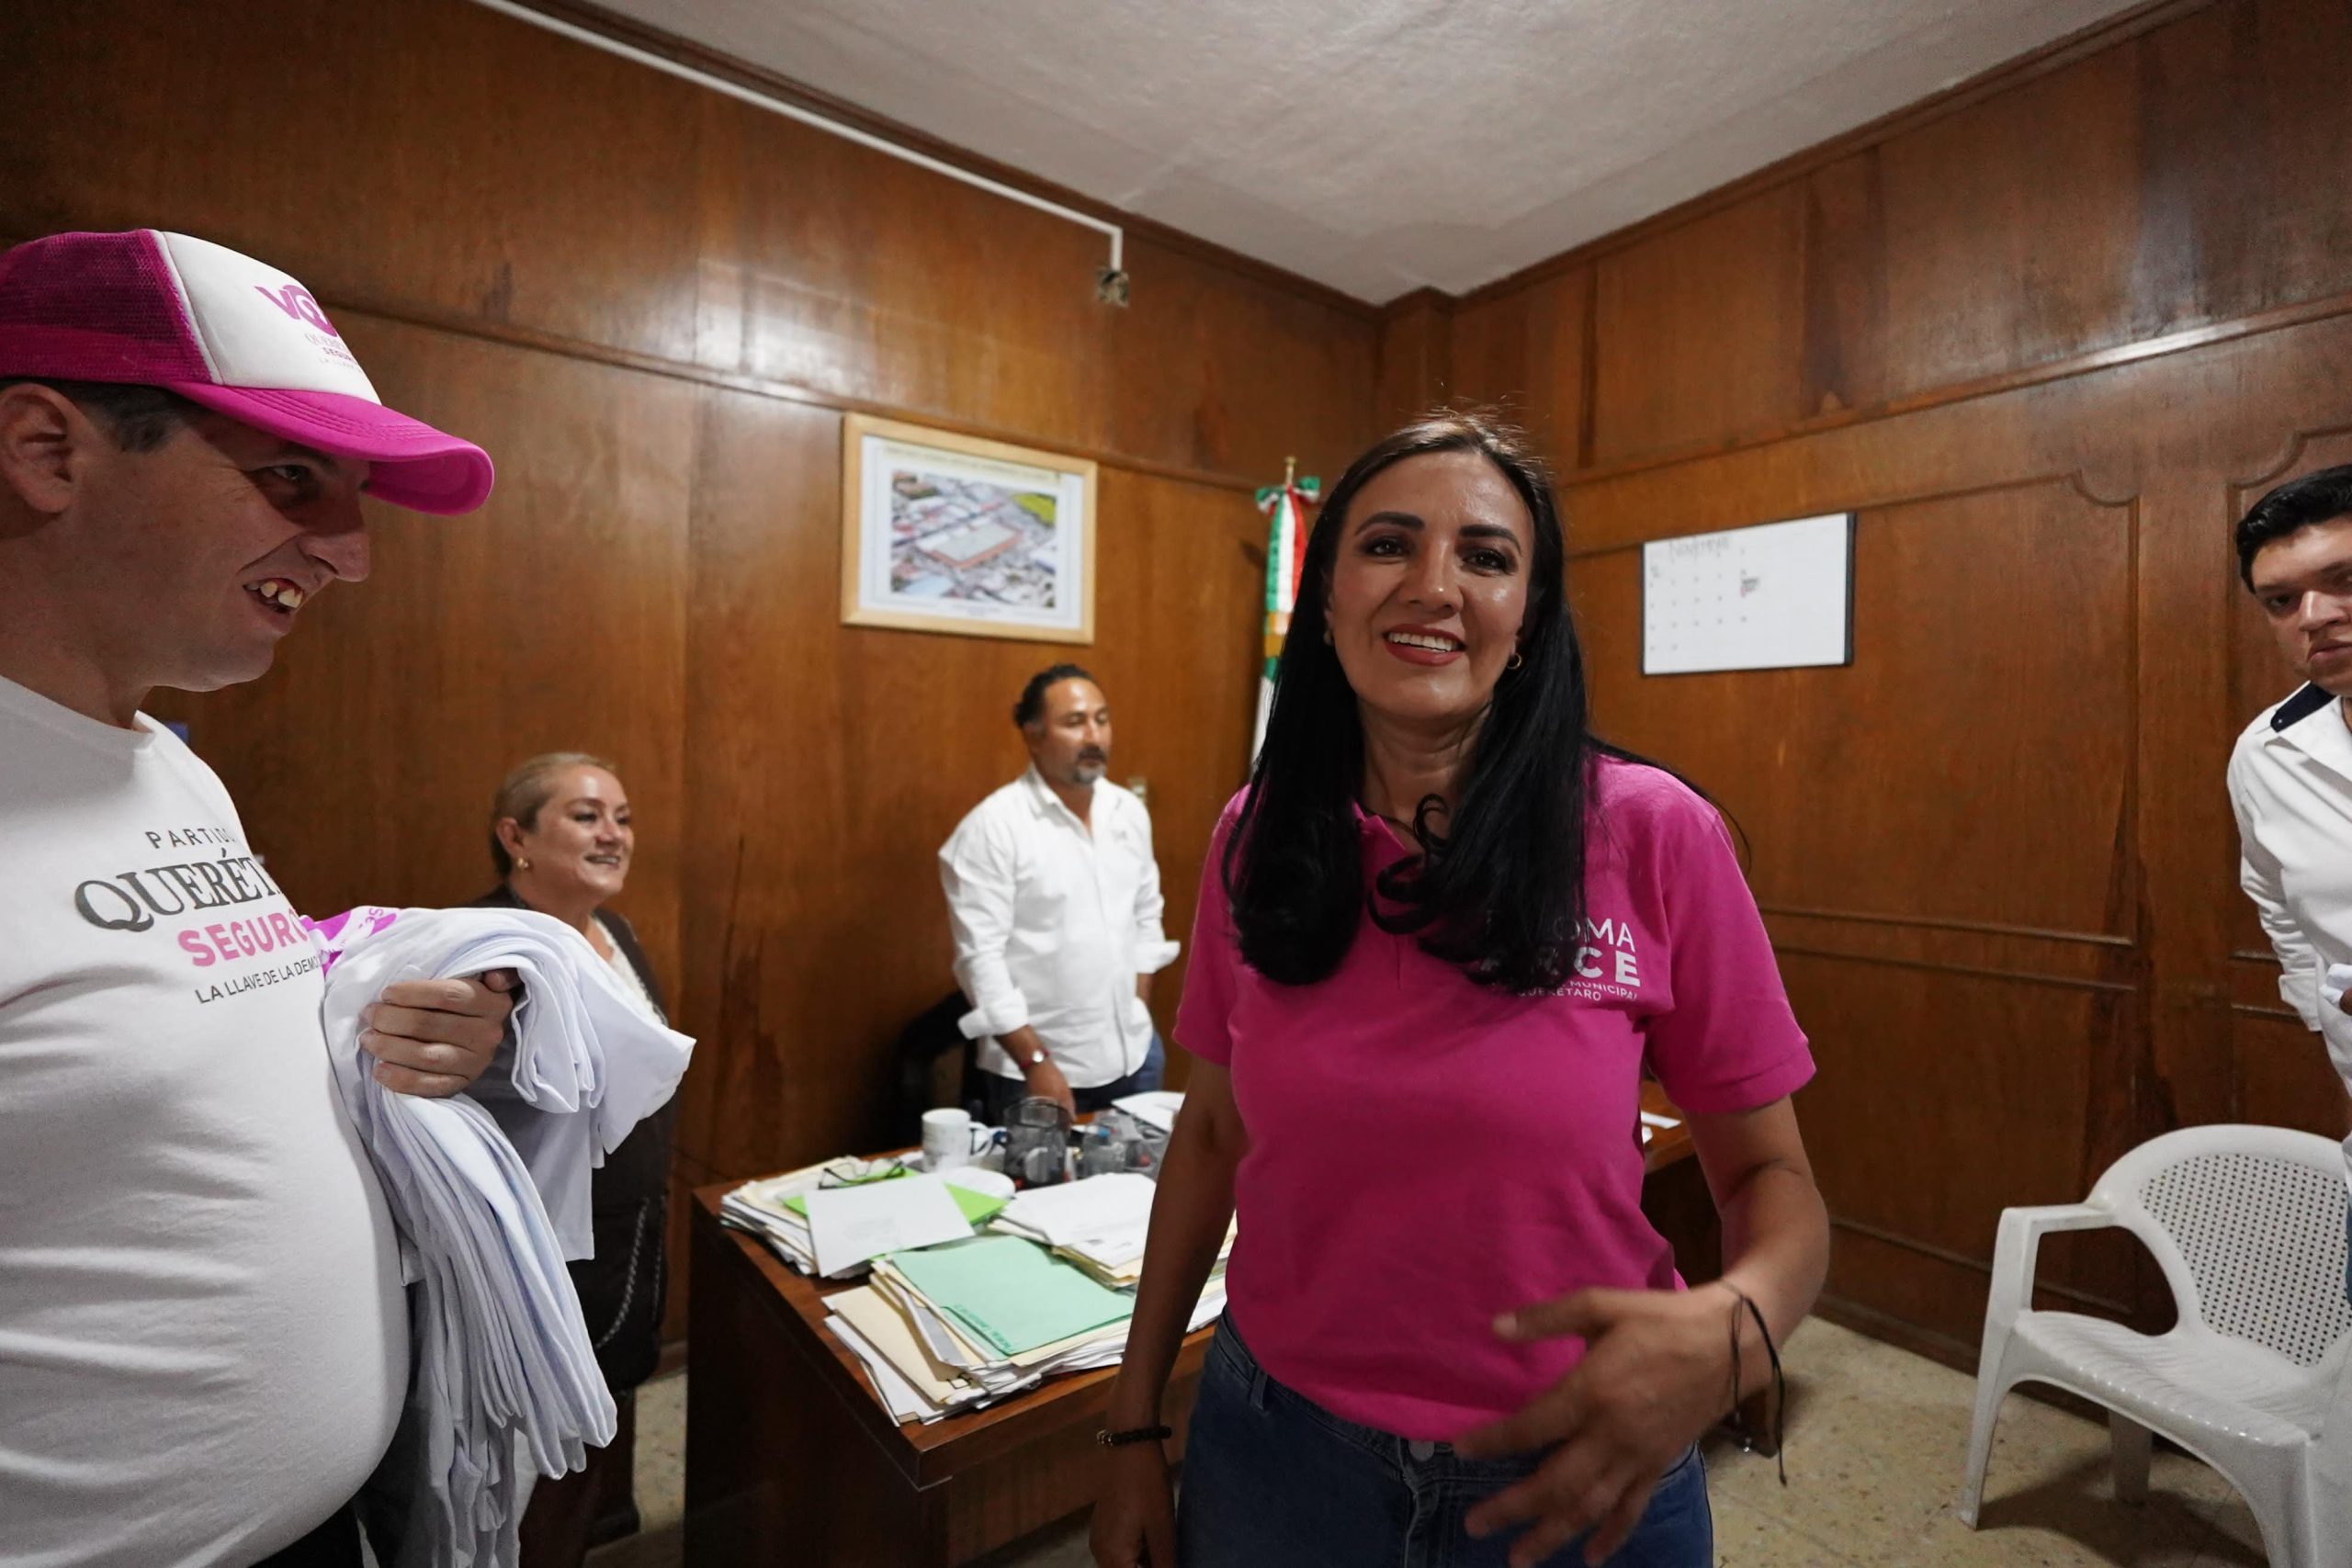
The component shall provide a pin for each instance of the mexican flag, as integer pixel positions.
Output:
(1285, 507)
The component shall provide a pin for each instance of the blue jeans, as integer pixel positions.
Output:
(1001, 1094)
(1271, 1477)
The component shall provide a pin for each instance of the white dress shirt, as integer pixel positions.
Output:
(2290, 785)
(1053, 923)
(632, 983)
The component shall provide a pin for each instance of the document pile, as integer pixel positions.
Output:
(1155, 1108)
(834, 1219)
(1098, 1224)
(503, 1374)
(944, 1329)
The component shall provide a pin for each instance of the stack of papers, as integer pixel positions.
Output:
(837, 1231)
(951, 1321)
(1099, 1224)
(1155, 1108)
(950, 1328)
(1075, 1210)
(760, 1208)
(1003, 1295)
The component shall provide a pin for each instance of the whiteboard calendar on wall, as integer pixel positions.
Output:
(1776, 596)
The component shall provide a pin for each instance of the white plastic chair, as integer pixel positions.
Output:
(2247, 1223)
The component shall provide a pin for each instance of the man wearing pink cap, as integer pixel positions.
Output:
(203, 1336)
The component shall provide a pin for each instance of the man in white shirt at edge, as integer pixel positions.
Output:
(1055, 901)
(203, 1332)
(2290, 775)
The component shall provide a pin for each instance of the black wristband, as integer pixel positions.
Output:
(1777, 1391)
(1135, 1435)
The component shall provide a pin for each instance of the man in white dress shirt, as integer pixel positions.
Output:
(1055, 901)
(2290, 775)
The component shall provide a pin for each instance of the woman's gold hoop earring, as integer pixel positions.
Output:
(1515, 660)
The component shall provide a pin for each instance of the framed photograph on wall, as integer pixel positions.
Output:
(946, 533)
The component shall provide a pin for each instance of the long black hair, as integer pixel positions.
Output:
(1499, 889)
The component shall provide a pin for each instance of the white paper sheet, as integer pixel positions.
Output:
(1155, 1108)
(848, 1226)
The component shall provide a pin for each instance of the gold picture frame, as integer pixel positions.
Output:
(948, 533)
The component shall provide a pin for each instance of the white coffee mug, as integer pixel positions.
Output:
(950, 1139)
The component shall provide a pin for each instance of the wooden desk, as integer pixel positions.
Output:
(790, 1457)
(1670, 1144)
(1674, 1194)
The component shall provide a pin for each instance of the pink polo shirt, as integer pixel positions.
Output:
(1426, 1152)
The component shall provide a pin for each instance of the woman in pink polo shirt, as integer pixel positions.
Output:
(1439, 937)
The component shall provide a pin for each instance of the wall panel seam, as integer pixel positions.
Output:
(2022, 977)
(2072, 478)
(1975, 1265)
(2066, 368)
(1933, 923)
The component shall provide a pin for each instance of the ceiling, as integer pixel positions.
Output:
(1380, 146)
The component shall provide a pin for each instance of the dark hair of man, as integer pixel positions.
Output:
(2299, 503)
(1499, 887)
(139, 419)
(1032, 705)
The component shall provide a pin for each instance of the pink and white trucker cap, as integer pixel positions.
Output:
(228, 332)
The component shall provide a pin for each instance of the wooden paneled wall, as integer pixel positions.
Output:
(2047, 338)
(652, 304)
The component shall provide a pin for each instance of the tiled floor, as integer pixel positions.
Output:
(661, 1480)
(1876, 1441)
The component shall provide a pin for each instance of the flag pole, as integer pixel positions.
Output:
(1285, 506)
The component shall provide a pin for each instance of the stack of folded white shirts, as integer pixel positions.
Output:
(505, 1371)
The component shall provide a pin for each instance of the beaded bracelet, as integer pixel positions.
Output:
(1134, 1434)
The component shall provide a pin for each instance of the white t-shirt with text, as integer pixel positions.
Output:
(203, 1337)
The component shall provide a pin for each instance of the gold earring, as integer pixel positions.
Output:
(1515, 660)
